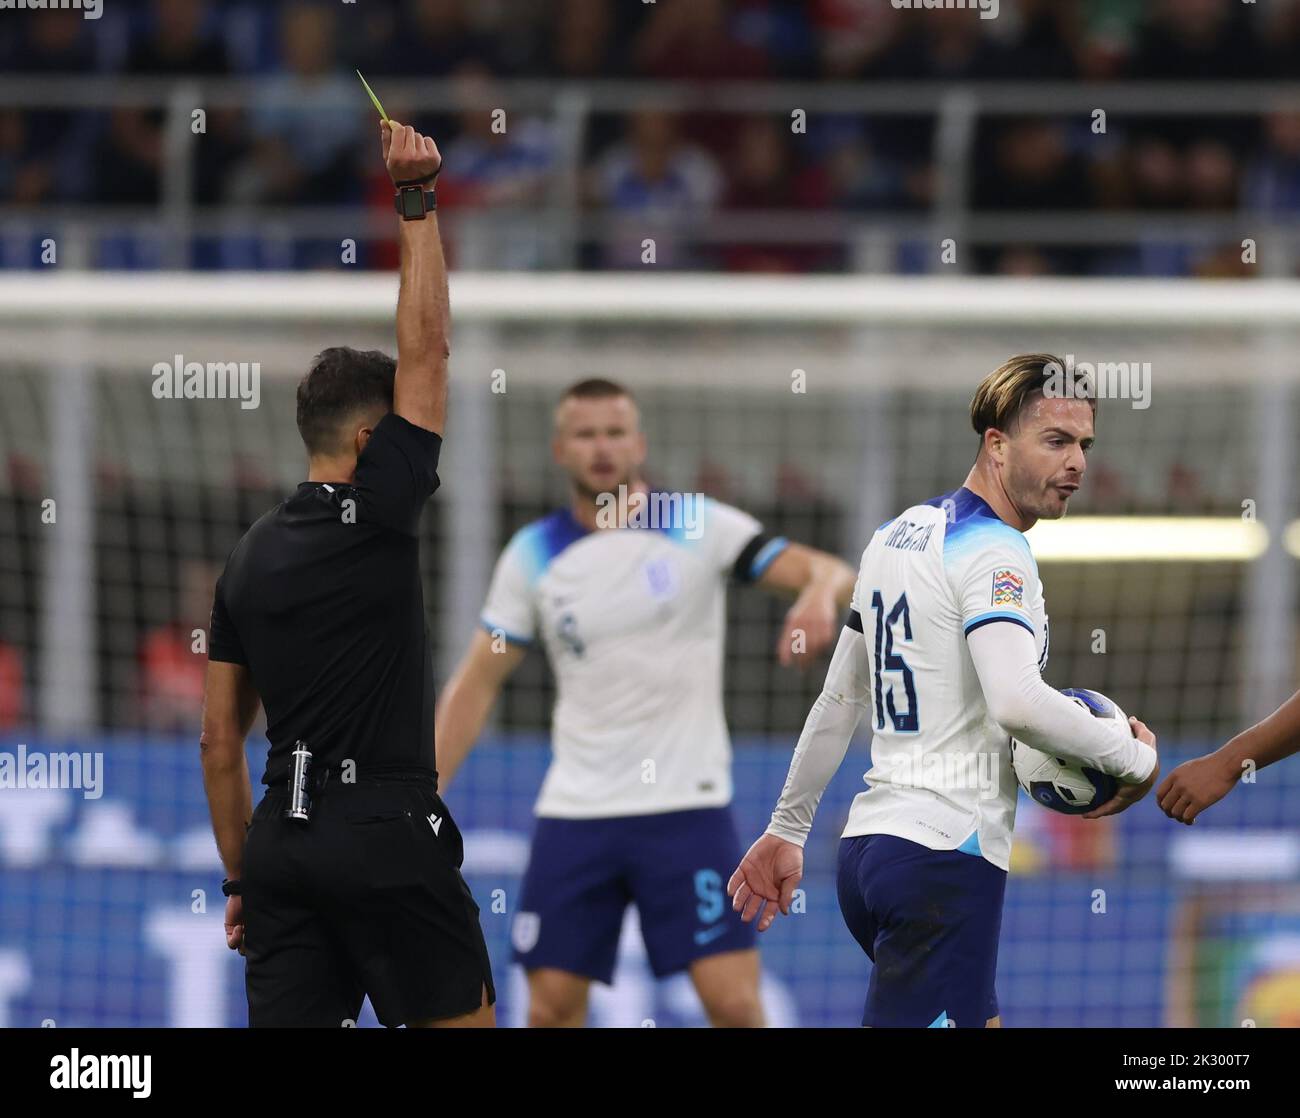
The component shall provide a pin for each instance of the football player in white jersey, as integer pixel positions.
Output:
(627, 599)
(943, 650)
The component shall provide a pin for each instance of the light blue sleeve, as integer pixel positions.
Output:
(993, 576)
(510, 610)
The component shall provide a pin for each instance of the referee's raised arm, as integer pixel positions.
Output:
(423, 316)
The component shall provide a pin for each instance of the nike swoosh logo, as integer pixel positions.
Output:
(708, 935)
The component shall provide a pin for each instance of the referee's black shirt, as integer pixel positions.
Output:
(322, 600)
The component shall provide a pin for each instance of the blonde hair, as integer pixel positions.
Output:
(1005, 391)
(595, 388)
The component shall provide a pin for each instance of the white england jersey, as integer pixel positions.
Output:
(940, 766)
(632, 621)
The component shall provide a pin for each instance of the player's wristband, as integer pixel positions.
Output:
(231, 888)
(412, 202)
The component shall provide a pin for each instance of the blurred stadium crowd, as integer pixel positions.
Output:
(688, 166)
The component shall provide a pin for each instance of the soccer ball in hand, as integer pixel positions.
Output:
(1062, 785)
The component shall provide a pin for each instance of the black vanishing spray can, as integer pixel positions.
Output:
(299, 796)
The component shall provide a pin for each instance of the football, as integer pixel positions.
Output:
(1060, 784)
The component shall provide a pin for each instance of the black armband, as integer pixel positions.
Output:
(743, 568)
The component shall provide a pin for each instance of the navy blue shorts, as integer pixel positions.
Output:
(929, 921)
(583, 873)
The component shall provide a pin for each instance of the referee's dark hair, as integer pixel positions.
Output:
(342, 383)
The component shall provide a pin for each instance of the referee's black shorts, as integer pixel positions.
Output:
(365, 899)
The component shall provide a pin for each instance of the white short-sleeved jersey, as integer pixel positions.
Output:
(940, 766)
(632, 621)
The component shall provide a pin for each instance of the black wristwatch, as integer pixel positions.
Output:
(231, 888)
(413, 202)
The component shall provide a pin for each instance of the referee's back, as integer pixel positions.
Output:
(321, 607)
(322, 600)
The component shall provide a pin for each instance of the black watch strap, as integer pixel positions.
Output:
(231, 888)
(420, 182)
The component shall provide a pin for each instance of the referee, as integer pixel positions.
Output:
(345, 882)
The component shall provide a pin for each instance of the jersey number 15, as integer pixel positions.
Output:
(887, 660)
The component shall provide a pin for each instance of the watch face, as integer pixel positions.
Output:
(412, 202)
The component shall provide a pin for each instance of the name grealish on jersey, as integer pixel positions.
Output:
(940, 766)
(632, 620)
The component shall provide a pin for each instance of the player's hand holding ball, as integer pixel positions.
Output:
(1129, 794)
(408, 155)
(770, 871)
